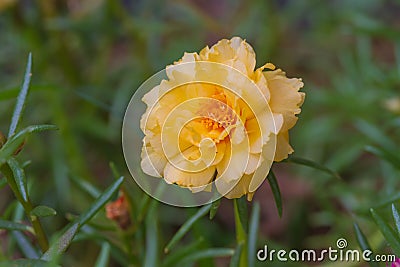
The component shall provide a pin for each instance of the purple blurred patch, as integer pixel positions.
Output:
(396, 263)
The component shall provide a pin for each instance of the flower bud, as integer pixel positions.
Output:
(118, 211)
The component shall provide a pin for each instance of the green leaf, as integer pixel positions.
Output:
(25, 245)
(396, 217)
(12, 144)
(386, 155)
(43, 211)
(114, 170)
(120, 256)
(25, 164)
(20, 105)
(24, 263)
(374, 133)
(8, 173)
(273, 183)
(86, 186)
(9, 225)
(312, 164)
(19, 177)
(117, 249)
(3, 182)
(214, 208)
(363, 242)
(240, 213)
(62, 243)
(143, 205)
(100, 202)
(241, 204)
(206, 253)
(186, 227)
(104, 257)
(390, 199)
(11, 209)
(253, 233)
(173, 258)
(150, 259)
(235, 261)
(390, 235)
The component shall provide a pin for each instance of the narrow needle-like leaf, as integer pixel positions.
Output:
(207, 253)
(12, 144)
(100, 202)
(273, 183)
(25, 245)
(102, 260)
(19, 177)
(9, 225)
(396, 217)
(235, 261)
(241, 204)
(214, 208)
(386, 155)
(253, 234)
(150, 258)
(363, 242)
(312, 164)
(390, 235)
(186, 227)
(62, 243)
(25, 263)
(20, 105)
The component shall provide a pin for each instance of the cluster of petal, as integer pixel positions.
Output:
(238, 132)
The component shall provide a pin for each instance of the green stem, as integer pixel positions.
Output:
(241, 235)
(37, 227)
(27, 205)
(7, 172)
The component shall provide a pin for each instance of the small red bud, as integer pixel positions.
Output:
(118, 211)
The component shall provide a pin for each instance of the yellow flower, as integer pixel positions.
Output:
(218, 119)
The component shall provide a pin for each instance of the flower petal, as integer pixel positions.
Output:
(254, 162)
(235, 53)
(234, 163)
(283, 148)
(152, 163)
(173, 175)
(285, 96)
(231, 190)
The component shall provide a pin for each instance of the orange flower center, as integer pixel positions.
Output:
(217, 114)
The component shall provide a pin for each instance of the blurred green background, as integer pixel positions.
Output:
(90, 56)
